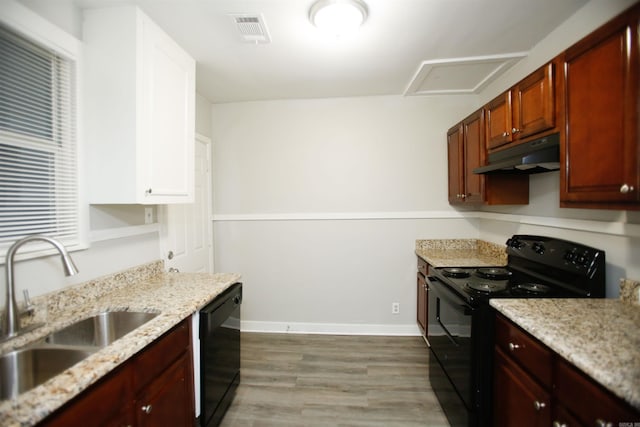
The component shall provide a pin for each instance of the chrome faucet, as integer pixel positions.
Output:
(11, 326)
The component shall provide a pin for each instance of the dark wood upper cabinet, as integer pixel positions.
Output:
(602, 109)
(535, 107)
(456, 167)
(474, 155)
(527, 109)
(466, 152)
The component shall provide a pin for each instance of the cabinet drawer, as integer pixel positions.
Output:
(423, 267)
(588, 401)
(153, 361)
(530, 354)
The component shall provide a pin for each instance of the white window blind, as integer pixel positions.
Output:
(38, 170)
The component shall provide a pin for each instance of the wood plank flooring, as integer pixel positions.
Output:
(322, 380)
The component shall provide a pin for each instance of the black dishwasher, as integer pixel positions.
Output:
(219, 354)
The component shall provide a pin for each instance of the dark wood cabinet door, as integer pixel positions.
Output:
(105, 404)
(167, 400)
(423, 304)
(590, 403)
(534, 103)
(600, 156)
(455, 159)
(519, 400)
(498, 118)
(474, 149)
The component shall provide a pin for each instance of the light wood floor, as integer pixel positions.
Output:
(320, 380)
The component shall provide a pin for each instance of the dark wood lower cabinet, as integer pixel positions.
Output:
(162, 401)
(524, 395)
(522, 402)
(423, 296)
(153, 388)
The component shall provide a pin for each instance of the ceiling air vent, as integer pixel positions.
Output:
(252, 28)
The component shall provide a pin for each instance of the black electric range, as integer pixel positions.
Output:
(460, 332)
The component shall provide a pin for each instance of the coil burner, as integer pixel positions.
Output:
(455, 272)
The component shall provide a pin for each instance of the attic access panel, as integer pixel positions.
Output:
(459, 75)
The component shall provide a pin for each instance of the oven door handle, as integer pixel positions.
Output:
(444, 328)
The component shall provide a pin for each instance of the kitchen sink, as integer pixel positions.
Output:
(21, 370)
(101, 329)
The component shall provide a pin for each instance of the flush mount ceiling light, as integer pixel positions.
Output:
(338, 17)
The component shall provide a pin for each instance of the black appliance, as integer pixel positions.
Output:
(539, 155)
(219, 355)
(461, 343)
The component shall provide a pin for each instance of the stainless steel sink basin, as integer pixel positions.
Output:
(101, 329)
(21, 370)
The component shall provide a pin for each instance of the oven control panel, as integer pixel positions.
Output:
(555, 252)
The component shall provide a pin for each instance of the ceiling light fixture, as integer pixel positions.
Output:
(338, 17)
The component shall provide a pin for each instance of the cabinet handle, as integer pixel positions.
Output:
(463, 196)
(626, 188)
(147, 409)
(149, 191)
(514, 130)
(539, 405)
(603, 423)
(505, 134)
(559, 424)
(513, 347)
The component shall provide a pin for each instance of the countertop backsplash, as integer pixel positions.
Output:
(630, 291)
(461, 252)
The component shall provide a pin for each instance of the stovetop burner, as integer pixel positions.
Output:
(493, 273)
(455, 272)
(531, 289)
(487, 287)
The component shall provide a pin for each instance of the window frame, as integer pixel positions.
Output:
(27, 23)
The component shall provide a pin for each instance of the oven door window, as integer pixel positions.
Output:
(450, 340)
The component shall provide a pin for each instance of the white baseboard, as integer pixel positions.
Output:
(329, 328)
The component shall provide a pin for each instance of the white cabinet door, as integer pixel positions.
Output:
(169, 100)
(140, 110)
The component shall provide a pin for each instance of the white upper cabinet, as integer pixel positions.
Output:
(139, 110)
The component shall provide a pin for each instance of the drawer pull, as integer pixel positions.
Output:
(603, 423)
(539, 405)
(559, 424)
(147, 409)
(513, 347)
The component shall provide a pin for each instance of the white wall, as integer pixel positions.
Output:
(623, 246)
(318, 204)
(295, 182)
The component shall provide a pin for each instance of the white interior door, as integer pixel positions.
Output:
(187, 238)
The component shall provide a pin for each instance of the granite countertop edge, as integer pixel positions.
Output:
(175, 296)
(600, 337)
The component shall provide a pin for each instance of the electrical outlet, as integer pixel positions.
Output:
(148, 215)
(395, 308)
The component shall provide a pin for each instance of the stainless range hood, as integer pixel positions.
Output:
(539, 155)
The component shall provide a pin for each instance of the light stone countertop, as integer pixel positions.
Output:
(601, 337)
(175, 296)
(461, 253)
